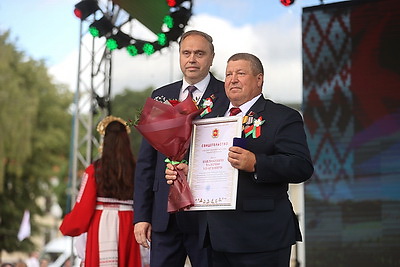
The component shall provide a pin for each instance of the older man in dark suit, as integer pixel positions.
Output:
(263, 227)
(175, 236)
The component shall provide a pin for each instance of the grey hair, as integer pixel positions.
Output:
(255, 62)
(195, 32)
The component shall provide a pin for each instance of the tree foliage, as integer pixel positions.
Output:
(34, 140)
(128, 105)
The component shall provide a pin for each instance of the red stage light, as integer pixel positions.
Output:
(85, 8)
(78, 13)
(287, 2)
(171, 3)
(174, 3)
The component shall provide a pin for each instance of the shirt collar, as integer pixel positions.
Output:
(201, 87)
(244, 107)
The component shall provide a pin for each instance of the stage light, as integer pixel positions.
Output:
(287, 2)
(174, 3)
(181, 17)
(111, 44)
(85, 8)
(118, 41)
(162, 39)
(136, 48)
(175, 14)
(171, 3)
(101, 27)
(148, 48)
(140, 47)
(169, 21)
(132, 50)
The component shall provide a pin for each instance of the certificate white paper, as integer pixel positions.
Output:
(212, 179)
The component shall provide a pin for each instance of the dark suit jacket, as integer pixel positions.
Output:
(151, 188)
(264, 219)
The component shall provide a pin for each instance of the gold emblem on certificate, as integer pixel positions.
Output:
(215, 133)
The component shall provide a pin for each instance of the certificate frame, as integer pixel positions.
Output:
(211, 178)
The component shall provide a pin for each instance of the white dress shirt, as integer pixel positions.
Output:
(198, 94)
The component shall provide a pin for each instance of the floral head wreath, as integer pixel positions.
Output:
(101, 127)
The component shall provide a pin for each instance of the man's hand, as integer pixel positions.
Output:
(143, 233)
(242, 159)
(170, 173)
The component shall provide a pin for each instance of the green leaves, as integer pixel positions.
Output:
(34, 141)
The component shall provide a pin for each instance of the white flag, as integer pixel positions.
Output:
(25, 227)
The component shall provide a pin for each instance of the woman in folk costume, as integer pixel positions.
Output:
(104, 206)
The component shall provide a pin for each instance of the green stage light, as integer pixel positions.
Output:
(94, 31)
(169, 21)
(148, 48)
(111, 44)
(165, 18)
(118, 41)
(132, 50)
(101, 27)
(162, 39)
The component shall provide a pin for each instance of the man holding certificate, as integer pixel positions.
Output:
(263, 226)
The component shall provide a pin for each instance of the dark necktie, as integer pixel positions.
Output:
(234, 111)
(191, 89)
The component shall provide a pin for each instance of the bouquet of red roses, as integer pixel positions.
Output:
(168, 127)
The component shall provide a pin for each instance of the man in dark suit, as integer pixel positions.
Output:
(263, 227)
(174, 236)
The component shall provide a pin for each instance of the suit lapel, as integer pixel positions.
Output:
(173, 92)
(168, 92)
(258, 107)
(220, 101)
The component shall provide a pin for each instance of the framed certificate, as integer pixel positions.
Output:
(212, 179)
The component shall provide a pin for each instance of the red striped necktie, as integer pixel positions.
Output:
(234, 111)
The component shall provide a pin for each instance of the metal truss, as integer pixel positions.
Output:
(91, 100)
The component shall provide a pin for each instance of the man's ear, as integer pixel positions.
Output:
(260, 79)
